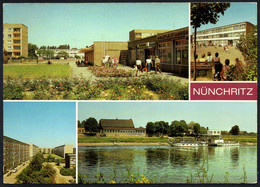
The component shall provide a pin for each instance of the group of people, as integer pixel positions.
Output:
(81, 63)
(151, 61)
(107, 61)
(220, 69)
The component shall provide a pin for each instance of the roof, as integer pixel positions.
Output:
(117, 123)
(84, 50)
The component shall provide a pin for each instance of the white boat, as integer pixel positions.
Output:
(221, 142)
(188, 144)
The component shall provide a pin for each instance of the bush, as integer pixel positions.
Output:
(68, 172)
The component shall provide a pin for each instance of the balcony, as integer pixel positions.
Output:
(17, 38)
(16, 50)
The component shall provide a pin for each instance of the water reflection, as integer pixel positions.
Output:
(167, 162)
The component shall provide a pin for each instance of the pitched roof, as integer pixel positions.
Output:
(117, 123)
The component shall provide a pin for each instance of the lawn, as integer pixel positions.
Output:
(58, 71)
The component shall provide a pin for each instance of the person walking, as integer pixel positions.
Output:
(148, 64)
(115, 61)
(157, 65)
(139, 66)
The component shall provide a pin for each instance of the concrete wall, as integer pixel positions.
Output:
(33, 150)
(108, 48)
(62, 150)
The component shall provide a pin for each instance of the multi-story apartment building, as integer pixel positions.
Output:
(224, 35)
(15, 39)
(46, 150)
(62, 150)
(139, 34)
(14, 153)
(33, 150)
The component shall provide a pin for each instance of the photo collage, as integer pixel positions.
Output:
(130, 93)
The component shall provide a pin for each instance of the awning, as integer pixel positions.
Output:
(84, 50)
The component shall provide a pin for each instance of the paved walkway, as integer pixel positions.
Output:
(85, 73)
(12, 178)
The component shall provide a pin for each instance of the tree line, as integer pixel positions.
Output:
(162, 128)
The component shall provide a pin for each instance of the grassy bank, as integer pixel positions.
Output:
(241, 138)
(36, 71)
(92, 139)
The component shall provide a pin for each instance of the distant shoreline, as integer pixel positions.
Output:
(108, 144)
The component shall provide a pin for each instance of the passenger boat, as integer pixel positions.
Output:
(188, 144)
(221, 142)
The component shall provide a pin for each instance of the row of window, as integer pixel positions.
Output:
(15, 29)
(236, 34)
(223, 29)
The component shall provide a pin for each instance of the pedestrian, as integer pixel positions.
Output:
(109, 62)
(218, 66)
(115, 61)
(103, 61)
(148, 64)
(139, 66)
(225, 68)
(209, 57)
(82, 63)
(157, 65)
(203, 59)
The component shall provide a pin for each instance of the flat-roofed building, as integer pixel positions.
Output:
(213, 132)
(95, 53)
(46, 150)
(14, 153)
(224, 35)
(33, 150)
(137, 34)
(171, 47)
(15, 39)
(120, 127)
(62, 150)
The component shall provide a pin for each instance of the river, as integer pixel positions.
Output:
(165, 164)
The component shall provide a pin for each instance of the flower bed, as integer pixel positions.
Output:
(109, 72)
(131, 88)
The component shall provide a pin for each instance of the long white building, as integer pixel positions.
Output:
(224, 35)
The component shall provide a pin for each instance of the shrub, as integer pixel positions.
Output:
(67, 172)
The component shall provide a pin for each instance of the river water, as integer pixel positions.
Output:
(166, 164)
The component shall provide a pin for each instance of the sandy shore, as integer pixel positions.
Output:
(140, 144)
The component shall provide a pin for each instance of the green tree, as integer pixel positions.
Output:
(203, 130)
(161, 127)
(31, 50)
(196, 129)
(150, 128)
(43, 47)
(177, 128)
(234, 130)
(36, 163)
(63, 54)
(91, 125)
(204, 13)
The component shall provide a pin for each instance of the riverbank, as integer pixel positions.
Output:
(108, 144)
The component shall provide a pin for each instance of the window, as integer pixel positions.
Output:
(165, 52)
(9, 29)
(9, 41)
(9, 47)
(9, 35)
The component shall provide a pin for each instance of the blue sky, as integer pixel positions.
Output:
(45, 124)
(215, 115)
(81, 24)
(237, 12)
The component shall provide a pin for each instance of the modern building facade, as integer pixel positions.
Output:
(46, 150)
(62, 150)
(33, 150)
(137, 34)
(224, 35)
(171, 47)
(15, 39)
(120, 127)
(14, 153)
(95, 53)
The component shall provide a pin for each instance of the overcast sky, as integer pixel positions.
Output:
(215, 115)
(79, 24)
